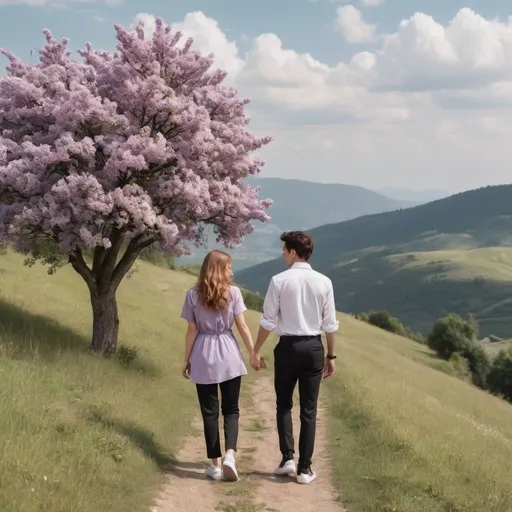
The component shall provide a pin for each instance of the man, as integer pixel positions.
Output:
(298, 306)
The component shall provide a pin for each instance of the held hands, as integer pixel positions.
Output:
(257, 362)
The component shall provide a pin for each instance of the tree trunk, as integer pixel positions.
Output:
(105, 326)
(103, 279)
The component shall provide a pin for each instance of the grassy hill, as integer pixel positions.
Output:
(409, 437)
(451, 255)
(85, 434)
(301, 205)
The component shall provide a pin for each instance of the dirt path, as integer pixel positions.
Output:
(258, 489)
(187, 489)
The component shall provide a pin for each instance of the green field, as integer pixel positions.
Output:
(78, 432)
(411, 438)
(85, 434)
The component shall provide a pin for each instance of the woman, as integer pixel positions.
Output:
(213, 358)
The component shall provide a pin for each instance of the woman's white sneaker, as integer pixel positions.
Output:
(214, 472)
(229, 469)
(286, 468)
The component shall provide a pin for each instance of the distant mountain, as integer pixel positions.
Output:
(450, 255)
(304, 204)
(416, 196)
(300, 205)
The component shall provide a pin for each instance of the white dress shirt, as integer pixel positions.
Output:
(300, 302)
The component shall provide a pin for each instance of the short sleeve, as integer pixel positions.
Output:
(188, 308)
(238, 302)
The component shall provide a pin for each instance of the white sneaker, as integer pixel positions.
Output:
(229, 469)
(306, 478)
(286, 468)
(214, 472)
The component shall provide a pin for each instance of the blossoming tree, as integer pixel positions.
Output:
(102, 158)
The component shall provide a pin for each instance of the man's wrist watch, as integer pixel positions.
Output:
(331, 356)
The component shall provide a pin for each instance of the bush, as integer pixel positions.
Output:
(479, 363)
(126, 355)
(460, 366)
(252, 300)
(499, 379)
(456, 335)
(452, 334)
(384, 320)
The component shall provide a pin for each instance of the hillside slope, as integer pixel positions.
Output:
(358, 256)
(301, 205)
(82, 433)
(407, 436)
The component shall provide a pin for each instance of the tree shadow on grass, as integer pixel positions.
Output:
(144, 440)
(28, 336)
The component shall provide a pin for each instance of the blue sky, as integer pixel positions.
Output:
(424, 107)
(309, 27)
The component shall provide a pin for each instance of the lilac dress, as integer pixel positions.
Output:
(216, 355)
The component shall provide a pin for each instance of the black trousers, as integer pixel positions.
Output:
(298, 358)
(209, 403)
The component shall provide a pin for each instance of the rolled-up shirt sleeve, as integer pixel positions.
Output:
(329, 322)
(270, 307)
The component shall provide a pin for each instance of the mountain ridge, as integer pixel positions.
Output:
(299, 204)
(358, 256)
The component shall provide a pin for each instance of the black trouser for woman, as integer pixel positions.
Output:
(298, 358)
(209, 403)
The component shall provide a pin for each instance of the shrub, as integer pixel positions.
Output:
(452, 334)
(384, 320)
(126, 355)
(499, 379)
(479, 363)
(460, 366)
(252, 300)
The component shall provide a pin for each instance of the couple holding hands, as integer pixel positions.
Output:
(298, 307)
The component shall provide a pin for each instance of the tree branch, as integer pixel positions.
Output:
(130, 255)
(109, 258)
(78, 263)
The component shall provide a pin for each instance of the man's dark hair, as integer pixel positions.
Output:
(299, 241)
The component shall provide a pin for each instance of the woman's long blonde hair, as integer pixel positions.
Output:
(214, 281)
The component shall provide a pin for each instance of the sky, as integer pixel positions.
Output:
(376, 93)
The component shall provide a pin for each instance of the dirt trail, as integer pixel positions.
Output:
(258, 490)
(187, 488)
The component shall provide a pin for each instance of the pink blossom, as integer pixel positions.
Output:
(145, 142)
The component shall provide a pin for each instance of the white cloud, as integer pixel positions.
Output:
(208, 38)
(430, 105)
(354, 28)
